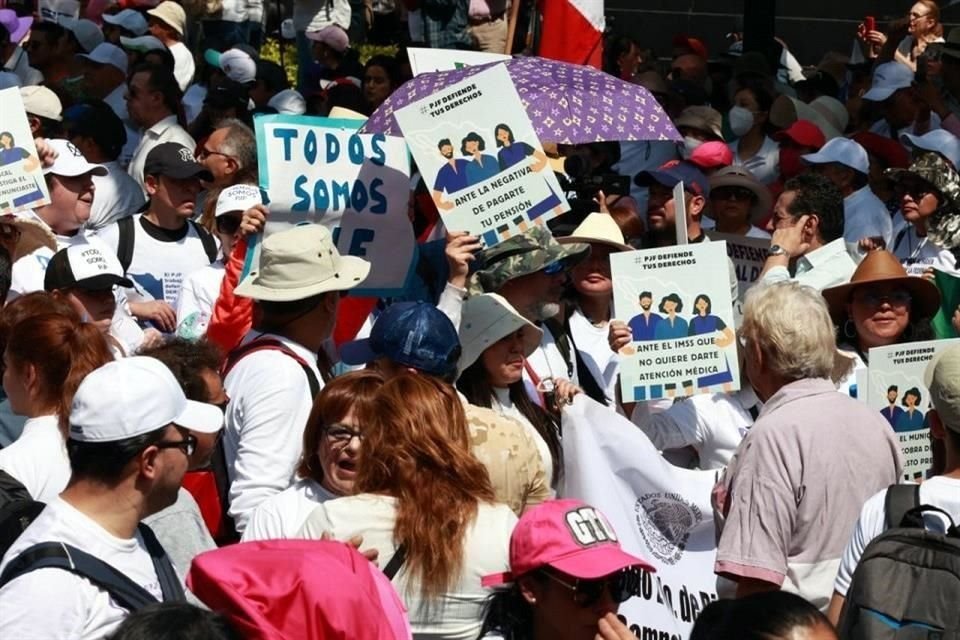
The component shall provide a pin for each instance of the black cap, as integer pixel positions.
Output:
(173, 160)
(84, 266)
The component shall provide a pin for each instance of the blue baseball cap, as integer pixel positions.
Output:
(674, 171)
(412, 334)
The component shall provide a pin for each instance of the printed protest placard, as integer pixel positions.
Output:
(320, 170)
(680, 213)
(21, 175)
(895, 388)
(480, 157)
(748, 256)
(428, 60)
(677, 303)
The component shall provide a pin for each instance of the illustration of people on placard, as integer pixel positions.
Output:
(892, 412)
(669, 327)
(912, 418)
(481, 166)
(704, 322)
(644, 324)
(451, 177)
(11, 153)
(513, 152)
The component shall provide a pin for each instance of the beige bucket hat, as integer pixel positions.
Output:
(598, 228)
(488, 318)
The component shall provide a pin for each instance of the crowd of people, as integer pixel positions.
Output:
(187, 452)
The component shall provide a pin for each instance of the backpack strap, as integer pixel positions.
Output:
(209, 244)
(269, 344)
(900, 499)
(399, 556)
(59, 555)
(127, 234)
(585, 377)
(12, 490)
(562, 339)
(170, 584)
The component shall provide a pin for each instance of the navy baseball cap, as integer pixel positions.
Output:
(412, 334)
(670, 173)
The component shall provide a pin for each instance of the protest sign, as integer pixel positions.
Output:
(480, 157)
(660, 513)
(429, 60)
(57, 10)
(22, 185)
(677, 302)
(680, 213)
(320, 170)
(895, 388)
(748, 256)
(949, 286)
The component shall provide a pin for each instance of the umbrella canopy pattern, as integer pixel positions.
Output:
(567, 103)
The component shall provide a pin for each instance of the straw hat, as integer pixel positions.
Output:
(33, 235)
(740, 177)
(598, 228)
(883, 266)
(488, 318)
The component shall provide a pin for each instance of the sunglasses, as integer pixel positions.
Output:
(228, 224)
(740, 194)
(897, 298)
(915, 190)
(553, 268)
(188, 445)
(621, 586)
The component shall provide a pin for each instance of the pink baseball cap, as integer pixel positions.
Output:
(712, 155)
(569, 536)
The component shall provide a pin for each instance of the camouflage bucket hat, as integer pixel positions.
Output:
(522, 255)
(943, 228)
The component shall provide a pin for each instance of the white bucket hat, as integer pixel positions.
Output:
(299, 263)
(598, 228)
(488, 318)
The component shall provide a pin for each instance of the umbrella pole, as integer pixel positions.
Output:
(512, 25)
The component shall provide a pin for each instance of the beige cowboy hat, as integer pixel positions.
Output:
(741, 177)
(598, 228)
(299, 263)
(33, 235)
(488, 318)
(883, 266)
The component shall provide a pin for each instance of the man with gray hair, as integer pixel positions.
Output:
(794, 488)
(230, 155)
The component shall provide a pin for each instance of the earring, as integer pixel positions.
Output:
(849, 329)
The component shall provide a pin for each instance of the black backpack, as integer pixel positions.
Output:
(907, 584)
(17, 510)
(127, 236)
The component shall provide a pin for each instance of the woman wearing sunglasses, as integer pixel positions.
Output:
(738, 201)
(567, 578)
(201, 288)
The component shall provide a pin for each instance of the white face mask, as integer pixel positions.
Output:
(689, 145)
(741, 120)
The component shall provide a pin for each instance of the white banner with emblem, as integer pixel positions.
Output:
(660, 512)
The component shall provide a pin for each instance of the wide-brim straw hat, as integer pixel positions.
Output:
(740, 177)
(488, 318)
(598, 228)
(883, 267)
(33, 235)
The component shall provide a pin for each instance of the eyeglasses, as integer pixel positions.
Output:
(916, 16)
(874, 298)
(188, 445)
(202, 153)
(342, 435)
(228, 224)
(553, 268)
(621, 586)
(731, 193)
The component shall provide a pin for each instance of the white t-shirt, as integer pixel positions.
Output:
(117, 195)
(183, 65)
(938, 491)
(594, 348)
(280, 516)
(161, 258)
(459, 613)
(764, 165)
(502, 404)
(197, 297)
(38, 459)
(53, 603)
(917, 254)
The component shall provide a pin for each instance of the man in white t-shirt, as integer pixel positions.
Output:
(942, 378)
(161, 246)
(129, 450)
(297, 287)
(168, 22)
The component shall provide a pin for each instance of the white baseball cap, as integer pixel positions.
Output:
(86, 32)
(70, 161)
(288, 102)
(129, 19)
(107, 53)
(238, 63)
(239, 197)
(843, 151)
(40, 101)
(938, 140)
(133, 396)
(888, 78)
(142, 43)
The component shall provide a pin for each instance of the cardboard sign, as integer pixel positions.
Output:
(748, 256)
(895, 388)
(22, 185)
(677, 302)
(480, 157)
(659, 512)
(429, 60)
(321, 171)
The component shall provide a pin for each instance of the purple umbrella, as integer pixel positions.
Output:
(567, 103)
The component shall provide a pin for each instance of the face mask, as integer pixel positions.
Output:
(741, 120)
(689, 145)
(790, 163)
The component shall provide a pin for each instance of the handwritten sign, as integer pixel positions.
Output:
(895, 388)
(321, 171)
(22, 185)
(677, 303)
(481, 159)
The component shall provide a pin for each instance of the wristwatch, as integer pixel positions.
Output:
(777, 250)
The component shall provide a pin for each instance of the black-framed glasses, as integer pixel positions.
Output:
(342, 435)
(228, 224)
(202, 153)
(622, 586)
(731, 193)
(188, 445)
